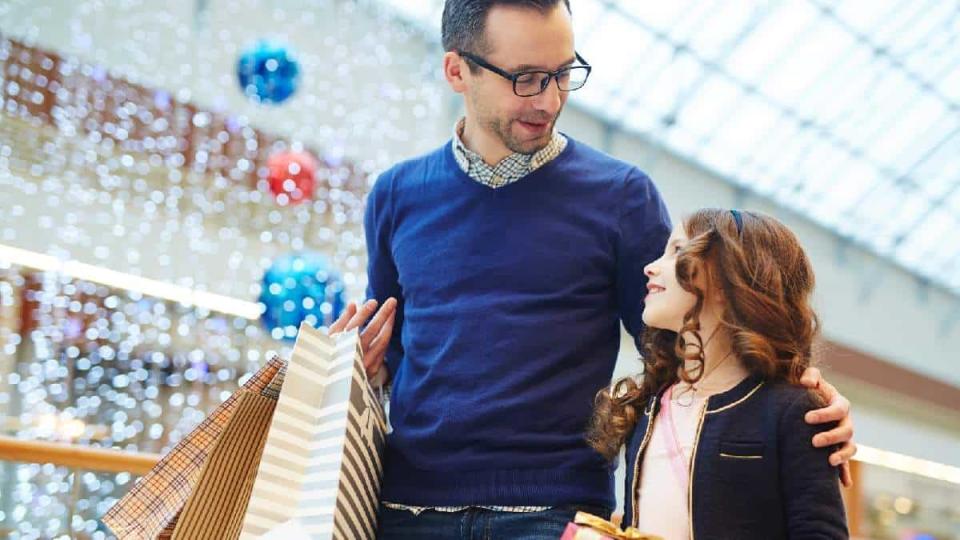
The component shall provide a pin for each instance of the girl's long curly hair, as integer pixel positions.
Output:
(766, 282)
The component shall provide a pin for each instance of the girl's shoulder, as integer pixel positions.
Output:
(787, 395)
(790, 403)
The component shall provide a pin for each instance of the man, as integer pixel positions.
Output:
(504, 263)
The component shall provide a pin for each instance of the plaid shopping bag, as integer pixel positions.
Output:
(150, 509)
(320, 473)
(217, 504)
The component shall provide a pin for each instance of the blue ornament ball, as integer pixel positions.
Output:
(268, 72)
(300, 287)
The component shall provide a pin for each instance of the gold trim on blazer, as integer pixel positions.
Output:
(636, 467)
(737, 402)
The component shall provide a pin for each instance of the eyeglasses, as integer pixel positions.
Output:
(534, 82)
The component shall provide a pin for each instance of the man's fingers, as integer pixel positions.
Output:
(837, 410)
(377, 347)
(364, 312)
(846, 476)
(383, 314)
(843, 433)
(372, 367)
(829, 392)
(376, 335)
(373, 358)
(844, 454)
(343, 319)
(811, 377)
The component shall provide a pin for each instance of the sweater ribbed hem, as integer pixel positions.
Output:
(556, 486)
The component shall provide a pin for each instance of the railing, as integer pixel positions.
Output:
(75, 456)
(72, 504)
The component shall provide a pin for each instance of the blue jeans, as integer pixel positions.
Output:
(479, 524)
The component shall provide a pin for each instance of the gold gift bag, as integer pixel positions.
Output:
(320, 473)
(151, 508)
(590, 527)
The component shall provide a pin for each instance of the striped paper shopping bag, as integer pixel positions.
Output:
(320, 473)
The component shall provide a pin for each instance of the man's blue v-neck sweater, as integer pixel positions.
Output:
(508, 322)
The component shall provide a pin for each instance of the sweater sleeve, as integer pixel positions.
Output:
(383, 280)
(810, 485)
(644, 230)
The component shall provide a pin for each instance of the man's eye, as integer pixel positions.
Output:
(526, 78)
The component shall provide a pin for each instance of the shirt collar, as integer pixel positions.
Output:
(509, 169)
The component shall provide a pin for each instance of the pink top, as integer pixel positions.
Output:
(664, 480)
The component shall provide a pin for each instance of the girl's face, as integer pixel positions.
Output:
(667, 301)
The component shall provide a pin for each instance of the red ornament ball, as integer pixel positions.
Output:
(291, 176)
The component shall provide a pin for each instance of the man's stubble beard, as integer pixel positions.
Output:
(502, 130)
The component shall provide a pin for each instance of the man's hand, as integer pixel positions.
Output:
(375, 338)
(837, 410)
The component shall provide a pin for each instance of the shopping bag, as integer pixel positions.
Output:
(217, 504)
(151, 508)
(590, 527)
(320, 473)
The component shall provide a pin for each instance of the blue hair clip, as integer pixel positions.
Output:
(739, 219)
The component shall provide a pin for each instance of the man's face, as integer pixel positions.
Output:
(520, 39)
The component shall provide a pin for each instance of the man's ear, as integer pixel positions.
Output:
(455, 70)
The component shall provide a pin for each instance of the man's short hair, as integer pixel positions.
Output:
(464, 21)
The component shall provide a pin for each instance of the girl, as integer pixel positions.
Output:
(716, 443)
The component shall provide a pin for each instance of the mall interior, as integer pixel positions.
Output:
(142, 223)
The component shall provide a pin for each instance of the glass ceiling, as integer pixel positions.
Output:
(848, 112)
